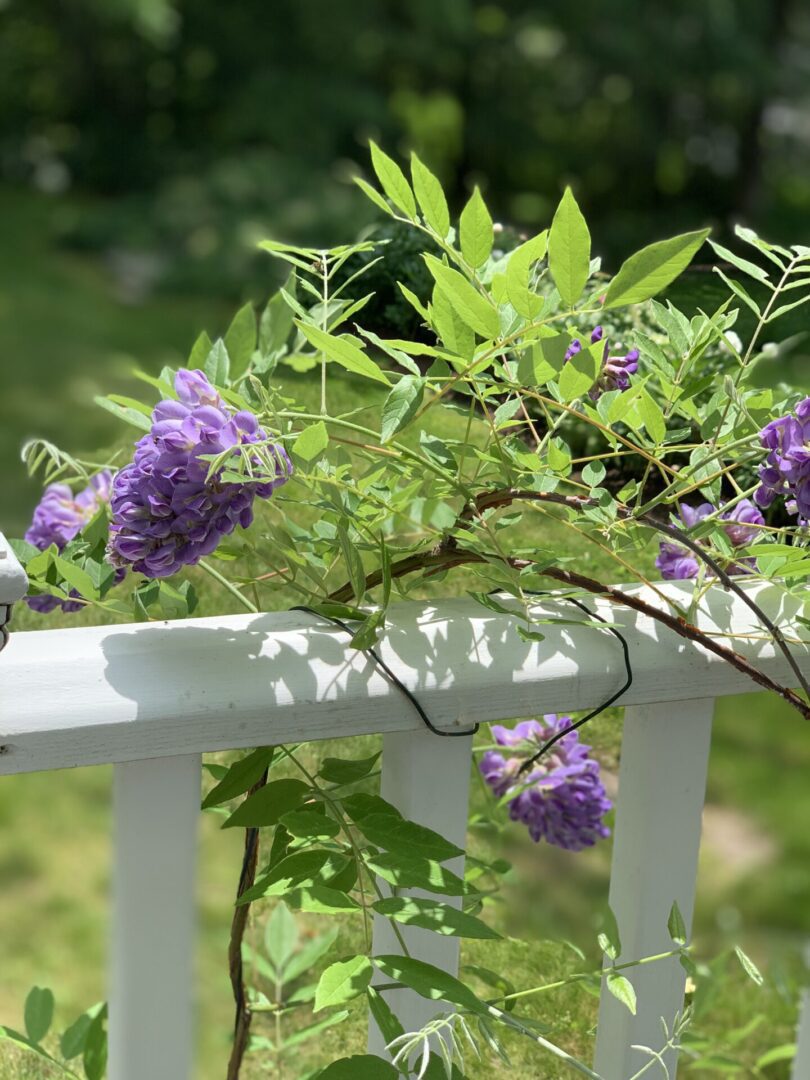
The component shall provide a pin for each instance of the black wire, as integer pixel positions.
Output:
(5, 616)
(601, 708)
(378, 660)
(396, 681)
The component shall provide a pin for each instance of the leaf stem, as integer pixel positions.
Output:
(232, 589)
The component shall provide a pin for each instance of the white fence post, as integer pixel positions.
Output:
(428, 779)
(662, 785)
(801, 1063)
(157, 805)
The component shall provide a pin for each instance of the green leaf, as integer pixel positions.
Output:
(310, 954)
(579, 373)
(343, 352)
(240, 340)
(785, 308)
(132, 403)
(748, 966)
(653, 268)
(456, 336)
(362, 805)
(78, 578)
(471, 306)
(401, 405)
(622, 990)
(438, 1070)
(593, 474)
(340, 873)
(359, 1067)
(523, 300)
(277, 320)
(265, 806)
(343, 981)
(217, 364)
(651, 414)
(321, 899)
(413, 300)
(609, 941)
(747, 267)
(367, 634)
(433, 915)
(785, 1052)
(240, 776)
(406, 837)
(94, 1059)
(23, 550)
(74, 1038)
(125, 413)
(302, 1034)
(676, 925)
(569, 249)
(390, 349)
(292, 870)
(199, 351)
(344, 771)
(373, 194)
(38, 1013)
(429, 981)
(280, 936)
(393, 182)
(354, 564)
(312, 442)
(309, 823)
(176, 602)
(475, 231)
(430, 196)
(543, 360)
(387, 1022)
(412, 872)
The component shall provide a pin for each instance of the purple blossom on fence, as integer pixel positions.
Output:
(786, 469)
(678, 563)
(166, 511)
(58, 518)
(565, 803)
(615, 371)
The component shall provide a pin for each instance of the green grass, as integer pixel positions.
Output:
(63, 336)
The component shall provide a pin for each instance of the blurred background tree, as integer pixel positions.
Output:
(146, 145)
(202, 125)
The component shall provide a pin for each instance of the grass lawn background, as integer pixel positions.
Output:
(63, 337)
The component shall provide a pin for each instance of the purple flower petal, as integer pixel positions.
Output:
(166, 510)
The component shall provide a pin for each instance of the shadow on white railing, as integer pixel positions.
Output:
(151, 698)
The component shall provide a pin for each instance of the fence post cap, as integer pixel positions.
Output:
(13, 582)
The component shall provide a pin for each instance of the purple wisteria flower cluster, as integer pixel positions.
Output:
(786, 469)
(616, 370)
(678, 563)
(166, 511)
(58, 518)
(566, 802)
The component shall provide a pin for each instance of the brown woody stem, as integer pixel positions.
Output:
(506, 496)
(443, 559)
(244, 1015)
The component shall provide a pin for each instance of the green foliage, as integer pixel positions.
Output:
(441, 453)
(85, 1038)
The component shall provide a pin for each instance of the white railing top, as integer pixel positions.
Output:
(105, 694)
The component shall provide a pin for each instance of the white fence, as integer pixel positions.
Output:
(151, 698)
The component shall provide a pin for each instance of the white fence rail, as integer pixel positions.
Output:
(150, 698)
